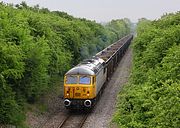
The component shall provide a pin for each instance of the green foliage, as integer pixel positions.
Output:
(152, 98)
(37, 47)
(10, 111)
(120, 27)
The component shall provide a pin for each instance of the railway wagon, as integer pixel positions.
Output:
(84, 83)
(114, 53)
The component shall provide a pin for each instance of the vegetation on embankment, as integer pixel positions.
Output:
(152, 97)
(38, 46)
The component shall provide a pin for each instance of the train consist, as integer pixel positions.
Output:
(84, 83)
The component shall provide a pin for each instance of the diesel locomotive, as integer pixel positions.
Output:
(84, 83)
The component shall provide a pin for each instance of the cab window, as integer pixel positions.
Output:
(84, 80)
(71, 80)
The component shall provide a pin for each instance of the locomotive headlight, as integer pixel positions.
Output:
(67, 90)
(87, 93)
(67, 93)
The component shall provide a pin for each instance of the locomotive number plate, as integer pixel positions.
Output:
(77, 94)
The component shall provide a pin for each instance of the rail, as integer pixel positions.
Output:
(69, 121)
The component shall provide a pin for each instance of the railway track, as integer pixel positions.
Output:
(68, 120)
(73, 121)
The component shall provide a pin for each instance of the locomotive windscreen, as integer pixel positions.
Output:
(71, 80)
(84, 80)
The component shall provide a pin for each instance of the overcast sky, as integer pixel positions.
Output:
(106, 10)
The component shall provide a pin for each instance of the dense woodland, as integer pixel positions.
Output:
(38, 46)
(152, 97)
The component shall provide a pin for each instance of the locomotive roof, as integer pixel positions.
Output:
(87, 67)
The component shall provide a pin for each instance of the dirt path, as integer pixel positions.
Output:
(103, 111)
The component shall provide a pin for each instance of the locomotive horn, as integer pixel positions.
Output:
(67, 102)
(87, 103)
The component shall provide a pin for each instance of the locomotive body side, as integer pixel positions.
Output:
(100, 80)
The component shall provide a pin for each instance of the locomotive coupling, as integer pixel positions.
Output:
(67, 102)
(87, 103)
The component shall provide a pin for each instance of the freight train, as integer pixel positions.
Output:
(84, 83)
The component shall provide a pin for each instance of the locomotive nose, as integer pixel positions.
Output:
(87, 103)
(67, 102)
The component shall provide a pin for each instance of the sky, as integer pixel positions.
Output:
(106, 10)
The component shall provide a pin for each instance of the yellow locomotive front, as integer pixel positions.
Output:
(79, 88)
(80, 85)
